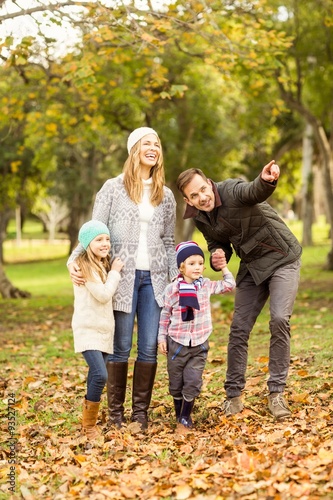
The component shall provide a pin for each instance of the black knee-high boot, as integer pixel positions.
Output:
(143, 381)
(116, 391)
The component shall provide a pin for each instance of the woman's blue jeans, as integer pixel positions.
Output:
(147, 312)
(97, 374)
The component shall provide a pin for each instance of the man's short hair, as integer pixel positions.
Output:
(185, 178)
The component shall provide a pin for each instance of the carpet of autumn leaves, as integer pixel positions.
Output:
(248, 456)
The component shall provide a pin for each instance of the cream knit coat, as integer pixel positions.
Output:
(93, 321)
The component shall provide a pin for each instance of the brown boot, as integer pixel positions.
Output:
(89, 419)
(116, 392)
(143, 381)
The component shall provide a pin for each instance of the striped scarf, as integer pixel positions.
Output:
(188, 299)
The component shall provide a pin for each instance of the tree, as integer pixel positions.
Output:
(305, 81)
(307, 186)
(133, 65)
(52, 212)
(16, 187)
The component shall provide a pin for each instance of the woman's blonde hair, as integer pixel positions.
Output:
(132, 178)
(90, 265)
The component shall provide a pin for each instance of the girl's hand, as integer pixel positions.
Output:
(75, 274)
(117, 264)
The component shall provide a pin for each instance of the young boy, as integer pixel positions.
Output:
(186, 324)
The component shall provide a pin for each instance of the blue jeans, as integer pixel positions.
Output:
(250, 299)
(97, 374)
(147, 311)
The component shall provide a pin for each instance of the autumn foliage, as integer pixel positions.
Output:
(248, 456)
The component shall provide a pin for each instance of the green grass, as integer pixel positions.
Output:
(48, 278)
(34, 250)
(34, 245)
(32, 229)
(50, 286)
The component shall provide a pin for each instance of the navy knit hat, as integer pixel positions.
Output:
(90, 230)
(187, 249)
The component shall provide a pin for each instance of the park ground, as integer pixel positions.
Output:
(248, 456)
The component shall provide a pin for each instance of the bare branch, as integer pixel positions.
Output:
(43, 8)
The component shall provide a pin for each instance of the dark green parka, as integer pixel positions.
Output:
(242, 218)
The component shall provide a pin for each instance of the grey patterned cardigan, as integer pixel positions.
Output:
(121, 215)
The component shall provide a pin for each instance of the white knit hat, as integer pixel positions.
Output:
(137, 134)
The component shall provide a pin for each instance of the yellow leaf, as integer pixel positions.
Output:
(57, 422)
(51, 127)
(300, 398)
(263, 359)
(183, 491)
(80, 458)
(148, 38)
(326, 456)
(14, 165)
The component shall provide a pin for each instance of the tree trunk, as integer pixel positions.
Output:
(5, 216)
(7, 290)
(326, 155)
(184, 228)
(329, 261)
(307, 186)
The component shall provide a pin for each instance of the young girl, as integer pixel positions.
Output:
(185, 326)
(93, 321)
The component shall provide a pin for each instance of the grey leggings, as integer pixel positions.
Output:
(250, 299)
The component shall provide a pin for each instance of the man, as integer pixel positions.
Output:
(233, 215)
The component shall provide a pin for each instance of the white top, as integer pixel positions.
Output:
(146, 211)
(93, 320)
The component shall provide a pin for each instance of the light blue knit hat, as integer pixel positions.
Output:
(90, 230)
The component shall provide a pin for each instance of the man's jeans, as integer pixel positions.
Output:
(97, 374)
(147, 311)
(250, 299)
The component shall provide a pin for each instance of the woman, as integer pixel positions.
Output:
(140, 213)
